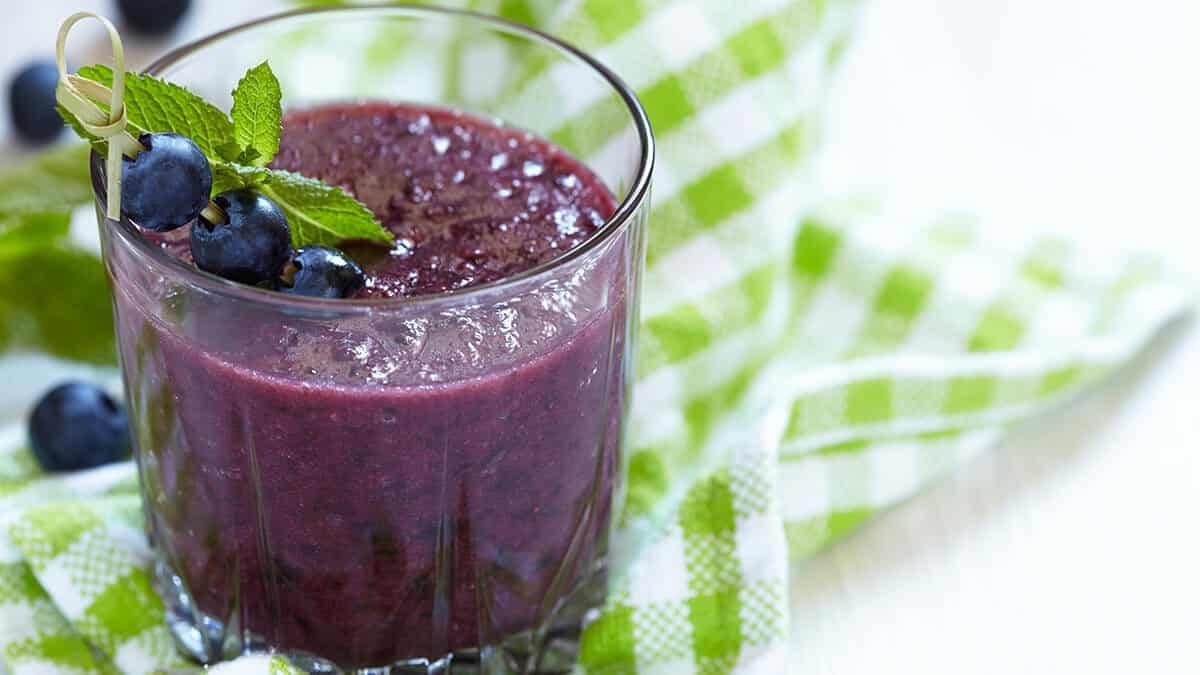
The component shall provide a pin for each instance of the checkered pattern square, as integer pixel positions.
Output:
(93, 563)
(763, 612)
(712, 563)
(752, 487)
(662, 632)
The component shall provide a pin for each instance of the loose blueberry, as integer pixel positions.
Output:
(153, 17)
(167, 184)
(251, 246)
(78, 426)
(324, 273)
(31, 101)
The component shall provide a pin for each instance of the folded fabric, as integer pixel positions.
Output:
(803, 364)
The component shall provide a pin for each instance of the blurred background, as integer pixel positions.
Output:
(1072, 547)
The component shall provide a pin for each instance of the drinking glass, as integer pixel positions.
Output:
(408, 485)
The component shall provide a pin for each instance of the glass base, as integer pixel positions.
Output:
(550, 649)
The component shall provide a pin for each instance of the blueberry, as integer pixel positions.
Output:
(167, 184)
(324, 273)
(153, 17)
(78, 426)
(253, 243)
(31, 101)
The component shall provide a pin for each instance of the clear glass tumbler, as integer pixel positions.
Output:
(405, 485)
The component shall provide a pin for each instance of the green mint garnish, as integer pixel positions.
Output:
(318, 213)
(32, 230)
(55, 180)
(54, 298)
(321, 214)
(257, 116)
(53, 295)
(233, 176)
(240, 150)
(153, 105)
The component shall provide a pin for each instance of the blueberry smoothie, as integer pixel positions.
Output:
(401, 479)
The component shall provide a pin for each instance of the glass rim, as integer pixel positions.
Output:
(626, 210)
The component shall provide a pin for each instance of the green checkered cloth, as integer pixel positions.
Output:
(804, 364)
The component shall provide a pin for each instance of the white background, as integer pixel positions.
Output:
(1074, 547)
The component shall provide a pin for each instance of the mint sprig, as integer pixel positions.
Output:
(55, 180)
(240, 149)
(54, 298)
(322, 214)
(318, 213)
(227, 176)
(154, 105)
(257, 116)
(53, 294)
(21, 233)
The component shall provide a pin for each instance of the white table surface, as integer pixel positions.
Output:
(1073, 547)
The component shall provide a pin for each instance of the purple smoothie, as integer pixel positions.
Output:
(406, 482)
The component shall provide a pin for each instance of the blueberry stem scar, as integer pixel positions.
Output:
(79, 96)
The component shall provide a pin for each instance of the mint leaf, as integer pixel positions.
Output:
(20, 233)
(240, 150)
(234, 176)
(152, 105)
(56, 179)
(258, 115)
(317, 213)
(322, 214)
(55, 299)
(251, 156)
(53, 296)
(229, 151)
